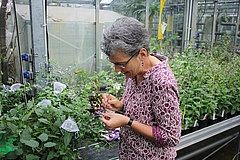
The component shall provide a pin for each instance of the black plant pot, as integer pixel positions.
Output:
(192, 129)
(212, 121)
(220, 118)
(202, 123)
(185, 131)
(236, 113)
(229, 115)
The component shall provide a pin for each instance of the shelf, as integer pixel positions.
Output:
(200, 41)
(180, 31)
(223, 33)
(201, 23)
(179, 39)
(207, 132)
(228, 24)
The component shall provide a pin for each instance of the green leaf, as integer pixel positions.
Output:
(14, 118)
(39, 112)
(43, 137)
(229, 103)
(233, 112)
(32, 157)
(51, 155)
(12, 126)
(13, 111)
(43, 120)
(31, 143)
(67, 138)
(49, 144)
(9, 155)
(18, 151)
(25, 134)
(65, 109)
(2, 132)
(26, 117)
(30, 104)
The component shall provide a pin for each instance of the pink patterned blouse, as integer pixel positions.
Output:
(155, 102)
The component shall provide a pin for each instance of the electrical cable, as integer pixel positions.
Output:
(47, 37)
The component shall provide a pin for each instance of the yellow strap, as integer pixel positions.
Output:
(169, 24)
(160, 35)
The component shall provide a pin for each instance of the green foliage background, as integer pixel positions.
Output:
(209, 81)
(32, 131)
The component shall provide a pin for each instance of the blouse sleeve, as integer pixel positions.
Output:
(165, 104)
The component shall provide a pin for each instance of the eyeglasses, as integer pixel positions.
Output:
(122, 64)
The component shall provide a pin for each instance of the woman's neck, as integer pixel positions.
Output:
(148, 64)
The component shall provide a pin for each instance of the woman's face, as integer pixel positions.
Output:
(129, 65)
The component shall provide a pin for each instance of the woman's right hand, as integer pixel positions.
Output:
(110, 102)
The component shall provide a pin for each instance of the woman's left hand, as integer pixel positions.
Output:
(114, 120)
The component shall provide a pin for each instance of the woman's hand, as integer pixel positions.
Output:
(110, 102)
(114, 120)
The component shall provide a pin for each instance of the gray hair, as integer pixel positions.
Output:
(127, 35)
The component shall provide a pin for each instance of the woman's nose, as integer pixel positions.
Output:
(117, 68)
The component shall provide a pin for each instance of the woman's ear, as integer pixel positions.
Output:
(143, 53)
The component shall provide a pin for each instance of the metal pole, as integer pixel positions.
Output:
(147, 14)
(214, 23)
(194, 20)
(45, 36)
(189, 21)
(3, 47)
(238, 145)
(185, 22)
(237, 27)
(37, 33)
(97, 37)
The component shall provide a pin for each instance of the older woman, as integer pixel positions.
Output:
(150, 121)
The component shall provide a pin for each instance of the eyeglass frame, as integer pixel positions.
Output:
(123, 64)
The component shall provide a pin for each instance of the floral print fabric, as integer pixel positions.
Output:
(155, 102)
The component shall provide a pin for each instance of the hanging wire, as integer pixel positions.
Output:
(47, 38)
